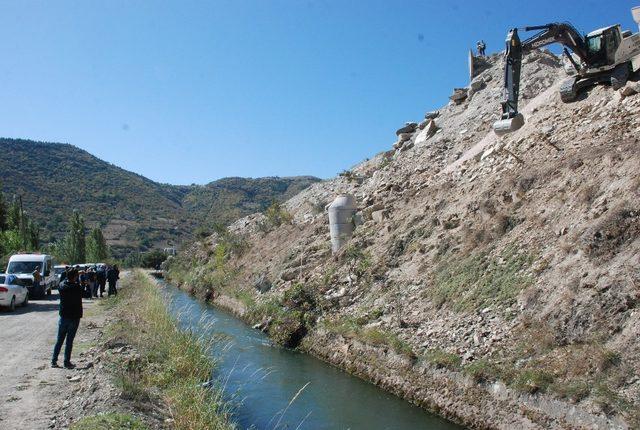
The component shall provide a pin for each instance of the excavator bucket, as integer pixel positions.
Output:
(509, 125)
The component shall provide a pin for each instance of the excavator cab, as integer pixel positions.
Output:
(602, 45)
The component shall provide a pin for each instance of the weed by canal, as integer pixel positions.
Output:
(171, 364)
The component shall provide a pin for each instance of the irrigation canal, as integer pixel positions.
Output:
(260, 380)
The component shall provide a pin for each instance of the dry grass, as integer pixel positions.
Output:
(173, 364)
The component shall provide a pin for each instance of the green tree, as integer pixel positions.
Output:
(31, 236)
(76, 241)
(97, 248)
(14, 217)
(3, 211)
(152, 259)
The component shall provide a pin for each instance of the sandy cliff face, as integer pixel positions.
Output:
(492, 279)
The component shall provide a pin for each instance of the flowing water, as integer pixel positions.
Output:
(261, 379)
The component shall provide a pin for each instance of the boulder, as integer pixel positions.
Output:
(459, 95)
(429, 130)
(409, 127)
(630, 89)
(380, 216)
(403, 137)
(432, 114)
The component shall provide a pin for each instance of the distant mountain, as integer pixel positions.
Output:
(135, 213)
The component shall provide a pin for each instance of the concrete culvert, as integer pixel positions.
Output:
(341, 225)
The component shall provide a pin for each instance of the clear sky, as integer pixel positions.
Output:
(191, 91)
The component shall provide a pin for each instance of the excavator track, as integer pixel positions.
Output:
(619, 76)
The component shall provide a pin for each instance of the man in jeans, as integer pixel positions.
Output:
(70, 313)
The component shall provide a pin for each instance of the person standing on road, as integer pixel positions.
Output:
(37, 278)
(70, 313)
(101, 277)
(112, 277)
(93, 282)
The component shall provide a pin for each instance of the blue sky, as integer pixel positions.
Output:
(191, 91)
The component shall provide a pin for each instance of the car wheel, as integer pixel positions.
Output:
(12, 305)
(26, 300)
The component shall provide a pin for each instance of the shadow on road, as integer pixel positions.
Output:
(42, 305)
(47, 304)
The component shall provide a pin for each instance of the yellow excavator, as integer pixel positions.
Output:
(604, 56)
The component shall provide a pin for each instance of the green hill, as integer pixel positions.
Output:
(135, 213)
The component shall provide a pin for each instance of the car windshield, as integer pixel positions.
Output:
(58, 270)
(23, 266)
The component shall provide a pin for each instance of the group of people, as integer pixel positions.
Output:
(76, 284)
(94, 279)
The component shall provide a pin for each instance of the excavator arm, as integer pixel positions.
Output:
(562, 33)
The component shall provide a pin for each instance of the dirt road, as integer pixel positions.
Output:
(31, 391)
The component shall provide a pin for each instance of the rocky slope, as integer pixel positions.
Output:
(135, 213)
(493, 280)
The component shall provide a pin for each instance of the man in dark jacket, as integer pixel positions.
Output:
(113, 274)
(101, 276)
(70, 313)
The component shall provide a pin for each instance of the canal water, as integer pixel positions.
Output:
(274, 388)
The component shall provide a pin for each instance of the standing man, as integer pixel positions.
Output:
(37, 278)
(481, 48)
(93, 282)
(112, 279)
(70, 313)
(101, 276)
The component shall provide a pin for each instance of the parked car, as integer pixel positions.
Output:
(12, 292)
(23, 265)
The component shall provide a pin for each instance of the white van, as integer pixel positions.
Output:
(23, 265)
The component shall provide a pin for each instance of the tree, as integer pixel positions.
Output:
(32, 236)
(153, 259)
(76, 245)
(97, 248)
(14, 217)
(3, 211)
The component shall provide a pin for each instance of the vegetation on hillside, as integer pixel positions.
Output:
(17, 231)
(134, 213)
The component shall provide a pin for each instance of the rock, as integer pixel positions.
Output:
(289, 275)
(459, 95)
(366, 212)
(630, 89)
(409, 127)
(477, 85)
(379, 216)
(432, 114)
(403, 137)
(262, 283)
(406, 146)
(428, 131)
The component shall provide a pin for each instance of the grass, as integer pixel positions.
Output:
(482, 370)
(532, 380)
(478, 280)
(110, 421)
(443, 359)
(172, 363)
(353, 328)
